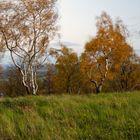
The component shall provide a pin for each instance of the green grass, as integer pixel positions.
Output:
(103, 117)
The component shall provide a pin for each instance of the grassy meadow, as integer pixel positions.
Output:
(110, 116)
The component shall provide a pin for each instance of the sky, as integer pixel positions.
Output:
(78, 19)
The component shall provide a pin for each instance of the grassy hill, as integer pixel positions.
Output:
(102, 117)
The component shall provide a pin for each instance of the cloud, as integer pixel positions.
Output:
(66, 43)
(78, 48)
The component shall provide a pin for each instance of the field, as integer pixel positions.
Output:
(109, 116)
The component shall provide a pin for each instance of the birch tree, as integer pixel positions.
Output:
(105, 52)
(26, 28)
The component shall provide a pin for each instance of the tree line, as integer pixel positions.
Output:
(107, 64)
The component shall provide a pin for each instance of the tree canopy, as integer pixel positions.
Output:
(105, 52)
(26, 28)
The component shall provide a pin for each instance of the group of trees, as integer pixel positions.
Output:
(108, 62)
(70, 75)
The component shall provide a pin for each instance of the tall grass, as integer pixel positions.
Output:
(102, 117)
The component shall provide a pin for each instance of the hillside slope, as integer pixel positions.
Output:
(102, 117)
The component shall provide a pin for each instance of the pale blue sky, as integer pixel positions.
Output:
(77, 18)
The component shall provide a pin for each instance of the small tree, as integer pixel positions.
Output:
(12, 84)
(128, 78)
(49, 79)
(26, 28)
(67, 68)
(104, 53)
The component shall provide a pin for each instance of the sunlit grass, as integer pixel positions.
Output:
(103, 117)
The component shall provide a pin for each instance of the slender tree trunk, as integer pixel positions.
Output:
(68, 85)
(29, 81)
(98, 89)
(31, 90)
